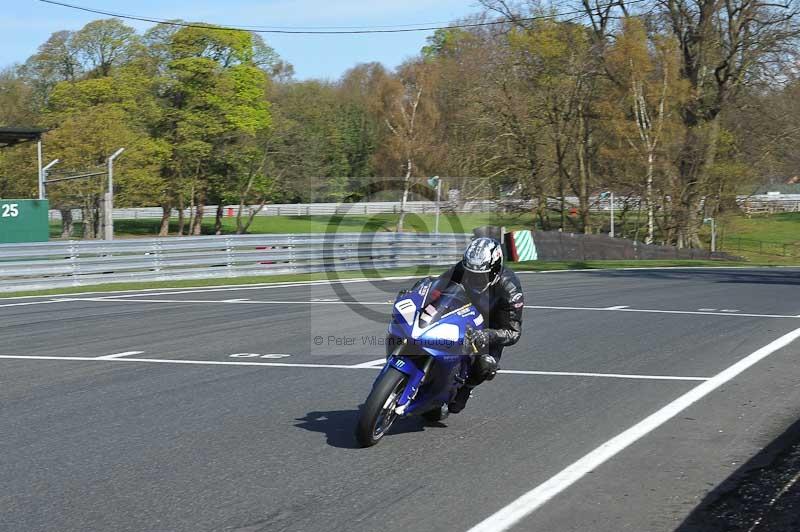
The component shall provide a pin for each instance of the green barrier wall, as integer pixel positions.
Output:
(23, 221)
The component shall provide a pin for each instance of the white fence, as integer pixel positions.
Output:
(750, 204)
(82, 262)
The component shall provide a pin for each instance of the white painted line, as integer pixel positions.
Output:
(120, 355)
(646, 268)
(528, 503)
(654, 311)
(706, 309)
(372, 363)
(729, 310)
(32, 303)
(621, 308)
(603, 375)
(262, 286)
(218, 288)
(230, 301)
(179, 361)
(259, 355)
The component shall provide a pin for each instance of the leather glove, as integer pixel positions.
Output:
(483, 340)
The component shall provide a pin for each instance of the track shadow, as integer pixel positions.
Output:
(757, 497)
(777, 276)
(339, 426)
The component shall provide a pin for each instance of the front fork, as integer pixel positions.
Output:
(416, 377)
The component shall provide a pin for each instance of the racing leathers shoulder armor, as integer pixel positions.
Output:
(500, 304)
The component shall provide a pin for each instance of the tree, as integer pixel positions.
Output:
(216, 97)
(725, 46)
(410, 115)
(103, 44)
(646, 77)
(91, 119)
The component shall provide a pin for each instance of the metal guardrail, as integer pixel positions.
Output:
(737, 244)
(85, 262)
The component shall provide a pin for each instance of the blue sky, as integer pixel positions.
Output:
(25, 24)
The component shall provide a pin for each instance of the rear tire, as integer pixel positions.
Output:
(378, 412)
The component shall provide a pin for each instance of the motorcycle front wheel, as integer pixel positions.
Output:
(378, 412)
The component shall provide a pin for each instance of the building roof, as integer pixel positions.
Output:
(10, 136)
(787, 188)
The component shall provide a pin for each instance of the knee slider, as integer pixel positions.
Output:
(487, 367)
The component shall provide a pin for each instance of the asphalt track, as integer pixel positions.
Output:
(178, 410)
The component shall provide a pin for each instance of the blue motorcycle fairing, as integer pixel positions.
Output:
(415, 376)
(441, 338)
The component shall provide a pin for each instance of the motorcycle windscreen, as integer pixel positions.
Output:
(441, 299)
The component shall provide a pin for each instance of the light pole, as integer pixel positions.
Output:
(713, 232)
(610, 196)
(43, 182)
(39, 166)
(612, 215)
(109, 203)
(436, 181)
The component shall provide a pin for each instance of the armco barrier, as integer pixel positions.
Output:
(79, 263)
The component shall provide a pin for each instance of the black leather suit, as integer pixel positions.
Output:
(500, 304)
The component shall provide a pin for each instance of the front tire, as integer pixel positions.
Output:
(378, 412)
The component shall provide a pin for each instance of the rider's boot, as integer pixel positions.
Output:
(460, 400)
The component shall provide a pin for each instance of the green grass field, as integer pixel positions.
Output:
(320, 224)
(772, 239)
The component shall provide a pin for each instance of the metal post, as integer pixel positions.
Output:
(109, 203)
(41, 174)
(438, 197)
(43, 179)
(713, 235)
(612, 215)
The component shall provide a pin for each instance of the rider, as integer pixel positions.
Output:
(496, 292)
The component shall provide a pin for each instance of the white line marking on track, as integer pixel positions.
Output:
(200, 290)
(34, 303)
(621, 308)
(220, 288)
(372, 363)
(603, 375)
(674, 268)
(707, 309)
(528, 503)
(729, 310)
(179, 361)
(231, 301)
(259, 355)
(119, 355)
(655, 311)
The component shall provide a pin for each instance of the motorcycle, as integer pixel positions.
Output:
(429, 345)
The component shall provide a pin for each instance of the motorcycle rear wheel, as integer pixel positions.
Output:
(378, 412)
